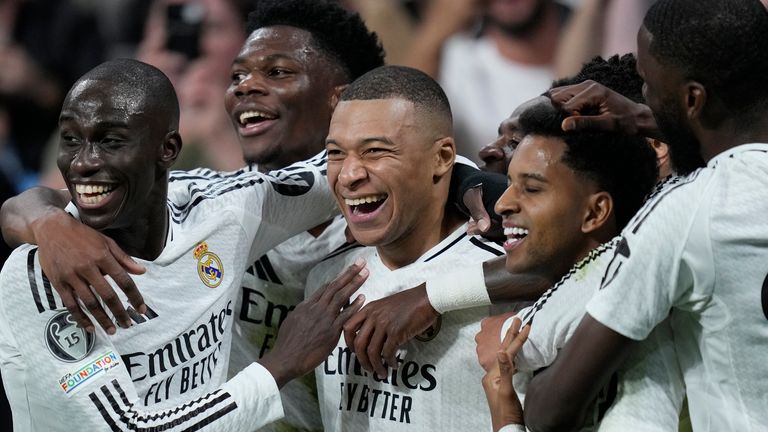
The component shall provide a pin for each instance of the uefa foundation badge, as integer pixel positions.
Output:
(209, 266)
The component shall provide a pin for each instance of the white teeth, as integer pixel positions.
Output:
(515, 231)
(244, 117)
(364, 200)
(92, 194)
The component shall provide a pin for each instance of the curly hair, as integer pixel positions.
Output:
(337, 32)
(617, 73)
(717, 43)
(622, 165)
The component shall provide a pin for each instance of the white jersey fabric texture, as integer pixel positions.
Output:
(698, 253)
(272, 286)
(484, 88)
(647, 391)
(437, 386)
(168, 370)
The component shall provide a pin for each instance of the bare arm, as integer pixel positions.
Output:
(582, 37)
(73, 256)
(19, 213)
(557, 398)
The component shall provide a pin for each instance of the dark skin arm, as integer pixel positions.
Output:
(581, 369)
(382, 326)
(596, 107)
(312, 330)
(73, 256)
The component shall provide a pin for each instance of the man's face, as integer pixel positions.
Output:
(497, 154)
(280, 96)
(543, 208)
(378, 168)
(661, 88)
(108, 150)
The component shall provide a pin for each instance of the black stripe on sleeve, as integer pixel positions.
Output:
(484, 246)
(48, 292)
(270, 270)
(260, 273)
(103, 411)
(32, 280)
(450, 245)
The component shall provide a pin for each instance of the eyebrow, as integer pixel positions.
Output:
(109, 124)
(271, 57)
(534, 176)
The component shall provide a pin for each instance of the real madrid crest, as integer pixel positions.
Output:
(431, 333)
(65, 340)
(209, 266)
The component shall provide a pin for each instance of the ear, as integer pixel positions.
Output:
(444, 156)
(695, 100)
(169, 150)
(598, 212)
(336, 95)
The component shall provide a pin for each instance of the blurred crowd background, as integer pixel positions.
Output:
(489, 55)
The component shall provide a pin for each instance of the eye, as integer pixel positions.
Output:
(531, 189)
(279, 72)
(376, 151)
(335, 154)
(237, 76)
(68, 139)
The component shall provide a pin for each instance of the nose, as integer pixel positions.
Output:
(509, 202)
(352, 172)
(253, 83)
(87, 161)
(492, 152)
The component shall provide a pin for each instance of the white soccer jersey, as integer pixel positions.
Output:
(646, 393)
(272, 286)
(437, 386)
(165, 370)
(698, 253)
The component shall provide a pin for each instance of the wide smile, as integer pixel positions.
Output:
(254, 122)
(515, 236)
(364, 208)
(93, 196)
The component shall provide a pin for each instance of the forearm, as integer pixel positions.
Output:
(505, 287)
(20, 213)
(582, 38)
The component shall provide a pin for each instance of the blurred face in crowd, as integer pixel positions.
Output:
(383, 163)
(516, 16)
(281, 96)
(543, 209)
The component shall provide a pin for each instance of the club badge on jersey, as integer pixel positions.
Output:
(65, 340)
(209, 266)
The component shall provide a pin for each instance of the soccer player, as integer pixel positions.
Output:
(391, 151)
(570, 194)
(118, 139)
(697, 252)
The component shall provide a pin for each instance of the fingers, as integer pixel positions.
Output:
(84, 293)
(517, 343)
(342, 295)
(352, 326)
(604, 122)
(342, 280)
(125, 260)
(373, 351)
(389, 352)
(118, 269)
(107, 294)
(512, 332)
(74, 308)
(473, 200)
(349, 311)
(362, 340)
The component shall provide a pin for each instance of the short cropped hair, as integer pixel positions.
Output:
(388, 82)
(337, 32)
(622, 165)
(718, 43)
(140, 81)
(617, 73)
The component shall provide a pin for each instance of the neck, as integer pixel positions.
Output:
(145, 237)
(731, 133)
(430, 231)
(537, 48)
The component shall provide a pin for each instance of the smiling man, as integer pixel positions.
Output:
(118, 139)
(391, 150)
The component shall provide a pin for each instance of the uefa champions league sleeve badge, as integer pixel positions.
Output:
(209, 266)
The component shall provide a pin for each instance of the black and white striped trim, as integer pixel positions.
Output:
(120, 415)
(39, 295)
(593, 255)
(346, 247)
(263, 269)
(491, 247)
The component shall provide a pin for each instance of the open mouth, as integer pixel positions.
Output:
(514, 235)
(93, 194)
(251, 118)
(365, 205)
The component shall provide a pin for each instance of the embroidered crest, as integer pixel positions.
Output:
(65, 340)
(209, 266)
